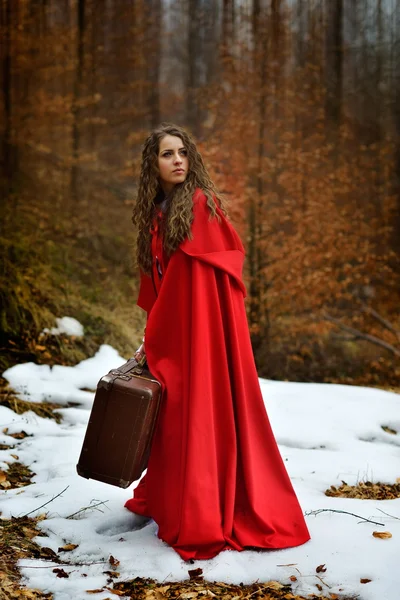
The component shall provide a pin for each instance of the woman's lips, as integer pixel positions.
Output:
(178, 171)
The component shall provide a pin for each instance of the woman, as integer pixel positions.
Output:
(215, 477)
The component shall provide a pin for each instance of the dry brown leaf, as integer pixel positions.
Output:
(319, 586)
(114, 562)
(195, 573)
(157, 593)
(321, 569)
(5, 484)
(293, 578)
(153, 595)
(94, 591)
(40, 517)
(15, 456)
(61, 573)
(273, 585)
(383, 535)
(112, 574)
(188, 595)
(29, 532)
(389, 429)
(365, 580)
(333, 596)
(115, 592)
(398, 480)
(3, 476)
(39, 347)
(68, 548)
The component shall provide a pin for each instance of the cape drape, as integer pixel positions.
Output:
(215, 477)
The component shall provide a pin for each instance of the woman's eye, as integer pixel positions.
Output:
(184, 152)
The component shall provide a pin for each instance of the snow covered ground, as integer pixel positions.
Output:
(326, 433)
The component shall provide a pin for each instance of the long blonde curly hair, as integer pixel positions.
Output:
(176, 224)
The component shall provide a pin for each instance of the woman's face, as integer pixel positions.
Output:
(173, 162)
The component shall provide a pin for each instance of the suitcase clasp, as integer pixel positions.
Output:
(105, 382)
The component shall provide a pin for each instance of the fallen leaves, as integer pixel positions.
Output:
(383, 535)
(192, 589)
(114, 591)
(68, 548)
(113, 561)
(366, 490)
(17, 475)
(195, 573)
(389, 430)
(61, 573)
(321, 569)
(42, 409)
(19, 435)
(16, 536)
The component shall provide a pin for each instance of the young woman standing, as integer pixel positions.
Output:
(215, 477)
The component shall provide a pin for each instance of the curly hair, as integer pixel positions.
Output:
(178, 217)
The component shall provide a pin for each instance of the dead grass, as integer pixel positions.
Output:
(197, 589)
(16, 536)
(10, 400)
(16, 475)
(365, 490)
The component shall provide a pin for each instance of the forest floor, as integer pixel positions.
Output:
(17, 538)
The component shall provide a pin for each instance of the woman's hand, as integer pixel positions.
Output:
(141, 351)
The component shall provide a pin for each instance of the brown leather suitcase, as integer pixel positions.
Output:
(118, 438)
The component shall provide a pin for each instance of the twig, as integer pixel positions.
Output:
(359, 334)
(388, 515)
(381, 319)
(61, 564)
(316, 512)
(86, 508)
(256, 592)
(324, 582)
(45, 504)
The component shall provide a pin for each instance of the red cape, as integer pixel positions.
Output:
(215, 478)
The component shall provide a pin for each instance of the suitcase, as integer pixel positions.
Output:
(118, 438)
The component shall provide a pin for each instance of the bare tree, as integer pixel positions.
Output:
(77, 93)
(9, 148)
(334, 60)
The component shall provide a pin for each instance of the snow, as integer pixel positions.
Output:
(326, 433)
(67, 325)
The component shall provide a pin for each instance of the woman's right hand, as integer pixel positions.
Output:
(141, 351)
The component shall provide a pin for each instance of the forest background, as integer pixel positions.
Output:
(296, 109)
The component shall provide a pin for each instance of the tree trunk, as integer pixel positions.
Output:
(256, 256)
(9, 149)
(155, 33)
(192, 110)
(334, 61)
(77, 92)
